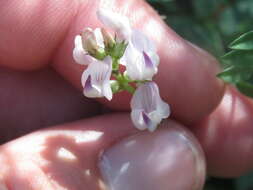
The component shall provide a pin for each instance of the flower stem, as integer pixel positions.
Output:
(129, 88)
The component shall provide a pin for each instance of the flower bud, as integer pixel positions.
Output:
(108, 38)
(92, 42)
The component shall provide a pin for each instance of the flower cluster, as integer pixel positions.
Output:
(104, 53)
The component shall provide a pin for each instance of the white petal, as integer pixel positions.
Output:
(99, 81)
(139, 50)
(136, 67)
(99, 37)
(116, 22)
(137, 119)
(142, 123)
(90, 90)
(154, 57)
(78, 41)
(134, 63)
(107, 91)
(80, 56)
(141, 42)
(146, 99)
(163, 108)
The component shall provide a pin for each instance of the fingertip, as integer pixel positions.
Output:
(31, 31)
(226, 136)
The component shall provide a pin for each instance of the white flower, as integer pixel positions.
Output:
(119, 23)
(140, 58)
(96, 79)
(148, 109)
(87, 43)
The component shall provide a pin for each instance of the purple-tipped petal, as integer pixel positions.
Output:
(153, 109)
(141, 42)
(96, 79)
(87, 85)
(148, 62)
(146, 119)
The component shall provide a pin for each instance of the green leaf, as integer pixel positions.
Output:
(245, 182)
(240, 57)
(159, 1)
(235, 74)
(246, 88)
(244, 42)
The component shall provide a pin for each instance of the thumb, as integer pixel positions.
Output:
(91, 154)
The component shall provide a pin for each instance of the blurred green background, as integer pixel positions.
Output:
(212, 25)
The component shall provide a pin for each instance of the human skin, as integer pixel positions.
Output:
(40, 87)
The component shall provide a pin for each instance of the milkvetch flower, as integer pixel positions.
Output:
(96, 79)
(88, 45)
(103, 52)
(148, 109)
(140, 58)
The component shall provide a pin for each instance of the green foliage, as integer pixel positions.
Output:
(244, 42)
(245, 182)
(211, 24)
(238, 64)
(220, 184)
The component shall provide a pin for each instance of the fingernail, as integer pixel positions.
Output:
(169, 158)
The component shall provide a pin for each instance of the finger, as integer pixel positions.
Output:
(37, 99)
(186, 74)
(32, 29)
(227, 136)
(68, 157)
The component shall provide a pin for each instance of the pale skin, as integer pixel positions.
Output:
(38, 36)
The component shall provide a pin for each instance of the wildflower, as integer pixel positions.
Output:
(140, 58)
(96, 79)
(104, 53)
(148, 109)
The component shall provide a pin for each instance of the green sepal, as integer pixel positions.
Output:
(99, 54)
(244, 42)
(118, 50)
(115, 86)
(235, 74)
(240, 58)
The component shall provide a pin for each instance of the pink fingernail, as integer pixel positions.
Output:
(169, 158)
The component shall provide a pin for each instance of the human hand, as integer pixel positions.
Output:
(39, 36)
